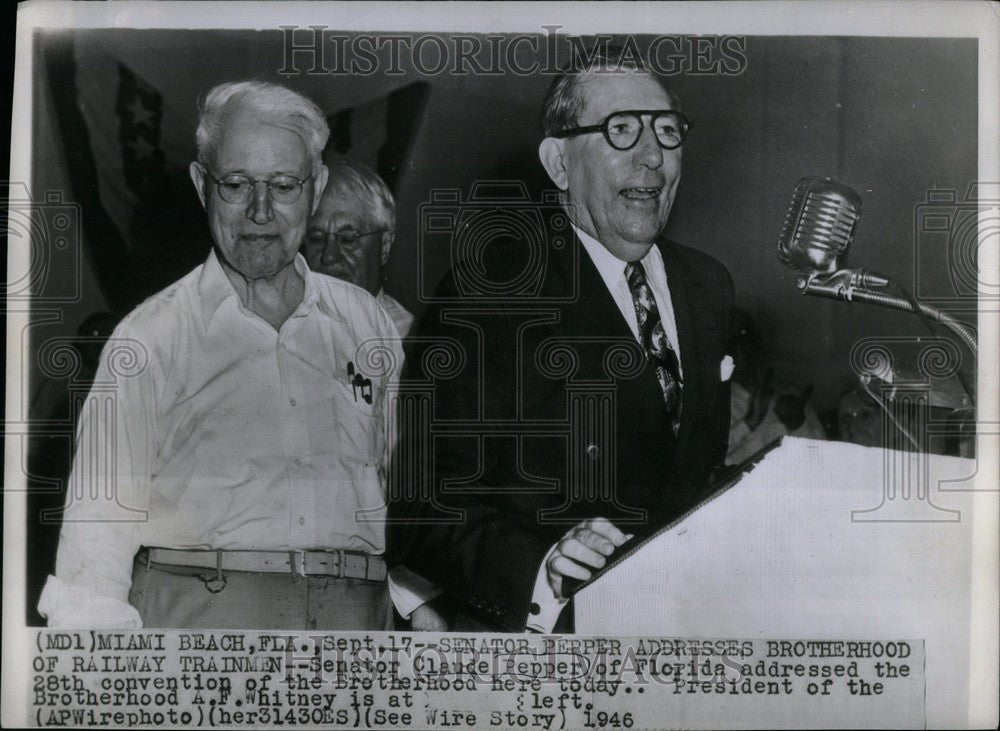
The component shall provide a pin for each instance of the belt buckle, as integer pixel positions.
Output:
(297, 560)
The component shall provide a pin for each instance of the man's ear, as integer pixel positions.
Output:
(197, 173)
(552, 153)
(319, 185)
(387, 238)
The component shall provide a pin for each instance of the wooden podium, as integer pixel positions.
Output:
(829, 541)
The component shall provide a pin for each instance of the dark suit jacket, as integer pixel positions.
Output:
(528, 406)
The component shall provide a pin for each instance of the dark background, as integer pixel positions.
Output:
(893, 118)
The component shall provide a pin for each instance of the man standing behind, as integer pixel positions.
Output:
(246, 452)
(608, 305)
(351, 233)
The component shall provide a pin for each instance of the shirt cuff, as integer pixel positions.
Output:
(69, 606)
(409, 590)
(545, 606)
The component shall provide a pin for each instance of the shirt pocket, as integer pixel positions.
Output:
(359, 424)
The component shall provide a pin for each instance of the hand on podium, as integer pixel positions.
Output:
(585, 547)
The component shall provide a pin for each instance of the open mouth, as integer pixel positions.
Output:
(640, 194)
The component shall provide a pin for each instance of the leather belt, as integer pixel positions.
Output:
(344, 564)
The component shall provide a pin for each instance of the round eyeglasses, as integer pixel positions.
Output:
(346, 240)
(623, 129)
(237, 188)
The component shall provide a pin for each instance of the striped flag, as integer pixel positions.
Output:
(379, 133)
(129, 144)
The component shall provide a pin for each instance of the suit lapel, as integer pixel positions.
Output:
(592, 309)
(685, 307)
(595, 313)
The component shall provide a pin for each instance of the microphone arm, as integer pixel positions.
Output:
(853, 285)
(818, 229)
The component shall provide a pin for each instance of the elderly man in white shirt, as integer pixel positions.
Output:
(230, 463)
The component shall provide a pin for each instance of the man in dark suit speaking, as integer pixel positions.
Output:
(568, 383)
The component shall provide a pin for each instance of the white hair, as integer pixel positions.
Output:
(270, 103)
(361, 178)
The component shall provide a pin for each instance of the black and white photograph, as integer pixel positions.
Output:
(503, 365)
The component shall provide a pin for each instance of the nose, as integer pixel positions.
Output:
(331, 251)
(259, 209)
(647, 150)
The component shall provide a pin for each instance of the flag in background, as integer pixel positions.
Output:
(129, 145)
(140, 110)
(379, 133)
(140, 147)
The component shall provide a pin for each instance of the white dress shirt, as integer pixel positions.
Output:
(208, 429)
(612, 271)
(401, 317)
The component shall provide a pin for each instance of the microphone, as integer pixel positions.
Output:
(820, 224)
(818, 229)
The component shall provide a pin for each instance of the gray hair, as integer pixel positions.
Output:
(270, 103)
(562, 106)
(346, 173)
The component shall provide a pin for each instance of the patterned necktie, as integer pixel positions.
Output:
(654, 340)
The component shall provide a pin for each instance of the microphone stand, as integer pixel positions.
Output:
(853, 285)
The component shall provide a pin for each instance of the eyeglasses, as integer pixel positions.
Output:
(344, 240)
(623, 129)
(237, 188)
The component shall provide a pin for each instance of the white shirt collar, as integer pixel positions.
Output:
(612, 271)
(609, 266)
(214, 287)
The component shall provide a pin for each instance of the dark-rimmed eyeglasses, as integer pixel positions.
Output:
(623, 129)
(238, 188)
